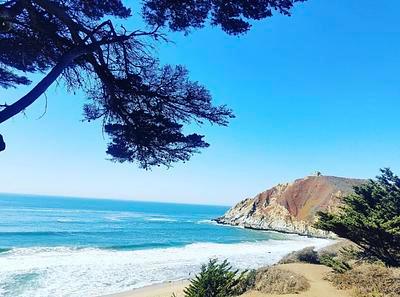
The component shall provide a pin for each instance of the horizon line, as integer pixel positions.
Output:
(110, 198)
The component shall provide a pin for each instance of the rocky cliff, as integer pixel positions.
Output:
(291, 207)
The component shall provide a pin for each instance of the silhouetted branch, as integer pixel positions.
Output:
(45, 107)
(143, 106)
(2, 144)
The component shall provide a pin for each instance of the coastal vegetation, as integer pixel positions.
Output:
(360, 277)
(365, 260)
(370, 218)
(88, 46)
(335, 257)
(368, 280)
(306, 255)
(274, 280)
(218, 280)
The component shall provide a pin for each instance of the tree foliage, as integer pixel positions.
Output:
(143, 105)
(370, 218)
(233, 16)
(215, 280)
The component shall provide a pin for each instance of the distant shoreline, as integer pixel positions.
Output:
(219, 222)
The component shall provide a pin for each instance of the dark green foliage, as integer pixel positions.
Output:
(216, 280)
(232, 16)
(308, 255)
(246, 283)
(370, 218)
(338, 265)
(143, 106)
(351, 253)
(9, 79)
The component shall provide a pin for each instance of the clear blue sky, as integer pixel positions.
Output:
(317, 91)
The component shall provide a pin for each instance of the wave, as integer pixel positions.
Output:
(121, 216)
(67, 271)
(53, 233)
(68, 220)
(128, 247)
(4, 250)
(206, 222)
(160, 219)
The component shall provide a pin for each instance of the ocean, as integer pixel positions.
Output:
(55, 246)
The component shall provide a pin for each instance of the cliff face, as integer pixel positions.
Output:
(291, 207)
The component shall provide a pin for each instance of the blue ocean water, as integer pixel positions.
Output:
(28, 221)
(54, 246)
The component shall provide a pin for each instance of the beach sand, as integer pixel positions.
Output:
(314, 273)
(160, 290)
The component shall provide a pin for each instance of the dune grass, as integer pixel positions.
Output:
(279, 281)
(369, 280)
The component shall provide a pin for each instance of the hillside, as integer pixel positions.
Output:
(291, 207)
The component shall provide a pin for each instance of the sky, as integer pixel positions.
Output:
(315, 91)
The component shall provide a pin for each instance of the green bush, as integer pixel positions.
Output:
(306, 255)
(246, 283)
(337, 265)
(370, 218)
(217, 280)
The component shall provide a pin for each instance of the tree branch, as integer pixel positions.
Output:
(43, 85)
(2, 144)
(73, 26)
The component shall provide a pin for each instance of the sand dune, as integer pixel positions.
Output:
(314, 274)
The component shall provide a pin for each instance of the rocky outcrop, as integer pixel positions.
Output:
(291, 207)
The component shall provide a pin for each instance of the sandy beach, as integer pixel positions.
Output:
(160, 290)
(314, 274)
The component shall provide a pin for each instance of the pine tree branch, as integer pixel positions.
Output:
(21, 104)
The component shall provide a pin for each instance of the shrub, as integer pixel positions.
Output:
(246, 283)
(343, 248)
(338, 265)
(370, 218)
(306, 255)
(273, 280)
(216, 280)
(369, 280)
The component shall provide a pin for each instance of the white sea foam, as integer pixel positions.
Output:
(211, 222)
(160, 219)
(66, 220)
(63, 271)
(120, 216)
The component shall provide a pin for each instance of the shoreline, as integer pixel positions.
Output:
(165, 289)
(168, 288)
